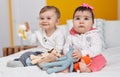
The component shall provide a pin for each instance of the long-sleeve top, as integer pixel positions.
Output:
(56, 40)
(88, 43)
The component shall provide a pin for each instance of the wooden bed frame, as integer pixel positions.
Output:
(14, 49)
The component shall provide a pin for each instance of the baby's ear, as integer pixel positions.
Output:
(58, 21)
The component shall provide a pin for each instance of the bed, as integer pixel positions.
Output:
(111, 52)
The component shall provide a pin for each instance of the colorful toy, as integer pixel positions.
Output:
(61, 64)
(85, 59)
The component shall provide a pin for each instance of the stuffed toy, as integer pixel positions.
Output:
(45, 57)
(61, 64)
(22, 32)
(86, 59)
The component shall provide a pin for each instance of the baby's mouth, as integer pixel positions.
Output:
(45, 24)
(81, 26)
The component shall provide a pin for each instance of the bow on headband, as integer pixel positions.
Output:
(86, 5)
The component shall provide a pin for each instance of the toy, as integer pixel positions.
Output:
(61, 64)
(22, 29)
(22, 32)
(86, 59)
(45, 57)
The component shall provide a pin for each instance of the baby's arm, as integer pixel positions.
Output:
(31, 37)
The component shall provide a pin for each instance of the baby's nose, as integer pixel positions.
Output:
(81, 21)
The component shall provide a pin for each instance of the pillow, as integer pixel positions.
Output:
(111, 33)
(69, 24)
(63, 29)
(99, 24)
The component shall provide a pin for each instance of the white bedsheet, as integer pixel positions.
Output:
(112, 69)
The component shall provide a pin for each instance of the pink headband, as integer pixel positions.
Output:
(87, 6)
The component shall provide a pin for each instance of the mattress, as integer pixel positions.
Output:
(112, 68)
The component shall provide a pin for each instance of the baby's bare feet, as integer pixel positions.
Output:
(84, 67)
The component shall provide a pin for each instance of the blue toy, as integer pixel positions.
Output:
(61, 63)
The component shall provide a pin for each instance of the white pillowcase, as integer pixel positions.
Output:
(99, 24)
(69, 24)
(63, 29)
(111, 33)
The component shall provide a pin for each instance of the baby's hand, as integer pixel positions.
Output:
(76, 55)
(27, 26)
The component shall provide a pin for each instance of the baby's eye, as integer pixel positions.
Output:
(77, 18)
(41, 18)
(48, 18)
(85, 18)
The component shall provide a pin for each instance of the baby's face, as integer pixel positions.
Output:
(48, 20)
(82, 22)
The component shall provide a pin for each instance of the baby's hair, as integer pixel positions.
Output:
(83, 8)
(46, 8)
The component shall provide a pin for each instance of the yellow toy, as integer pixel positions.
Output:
(22, 32)
(22, 29)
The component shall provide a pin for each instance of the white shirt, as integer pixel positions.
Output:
(88, 43)
(56, 40)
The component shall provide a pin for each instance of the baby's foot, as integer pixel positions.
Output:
(84, 67)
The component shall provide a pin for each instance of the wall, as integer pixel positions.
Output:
(25, 10)
(4, 25)
(15, 13)
(102, 8)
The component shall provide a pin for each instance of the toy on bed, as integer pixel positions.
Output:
(61, 64)
(45, 57)
(86, 59)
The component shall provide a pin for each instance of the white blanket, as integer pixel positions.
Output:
(112, 69)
